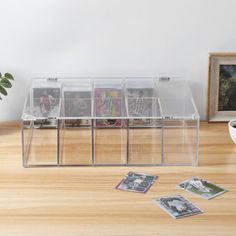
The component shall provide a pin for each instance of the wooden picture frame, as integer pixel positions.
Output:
(222, 87)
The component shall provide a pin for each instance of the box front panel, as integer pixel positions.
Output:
(180, 142)
(43, 148)
(144, 146)
(75, 142)
(110, 146)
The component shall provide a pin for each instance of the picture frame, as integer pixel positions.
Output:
(221, 87)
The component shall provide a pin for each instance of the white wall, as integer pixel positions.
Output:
(111, 37)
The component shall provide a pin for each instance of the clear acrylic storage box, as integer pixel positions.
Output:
(109, 121)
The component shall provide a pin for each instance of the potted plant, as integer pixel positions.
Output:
(5, 83)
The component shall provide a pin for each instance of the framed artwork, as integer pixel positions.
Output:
(222, 87)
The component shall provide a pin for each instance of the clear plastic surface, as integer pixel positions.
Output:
(109, 121)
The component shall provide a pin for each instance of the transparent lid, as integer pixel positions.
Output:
(176, 99)
(109, 98)
(41, 108)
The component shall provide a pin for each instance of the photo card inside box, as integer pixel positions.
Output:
(141, 104)
(140, 92)
(46, 102)
(77, 106)
(108, 103)
(77, 103)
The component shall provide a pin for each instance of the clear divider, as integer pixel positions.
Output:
(110, 132)
(144, 130)
(75, 129)
(40, 131)
(180, 123)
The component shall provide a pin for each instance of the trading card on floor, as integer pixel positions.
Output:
(202, 187)
(108, 104)
(177, 206)
(137, 182)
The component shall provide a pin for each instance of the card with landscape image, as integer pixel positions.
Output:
(202, 187)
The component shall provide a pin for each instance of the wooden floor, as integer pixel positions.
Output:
(82, 200)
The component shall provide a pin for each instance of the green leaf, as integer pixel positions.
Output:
(0, 75)
(8, 76)
(5, 83)
(3, 91)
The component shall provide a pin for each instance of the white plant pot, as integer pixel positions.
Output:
(232, 129)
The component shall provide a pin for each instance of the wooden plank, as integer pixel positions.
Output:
(82, 200)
